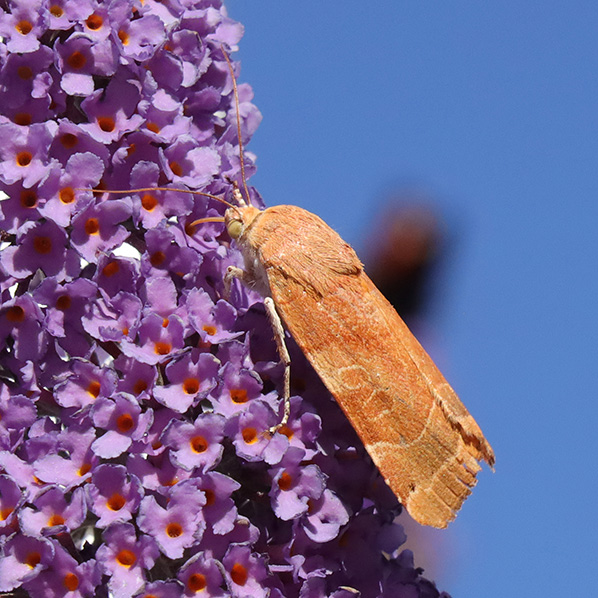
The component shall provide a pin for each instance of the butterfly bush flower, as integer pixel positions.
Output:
(136, 400)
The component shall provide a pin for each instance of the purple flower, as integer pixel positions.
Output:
(66, 307)
(70, 458)
(17, 414)
(165, 257)
(40, 245)
(23, 558)
(97, 228)
(125, 558)
(178, 525)
(21, 326)
(157, 473)
(123, 421)
(113, 318)
(111, 111)
(202, 575)
(52, 514)
(136, 402)
(24, 152)
(23, 26)
(78, 59)
(159, 339)
(113, 495)
(64, 188)
(245, 572)
(250, 433)
(197, 444)
(212, 321)
(191, 378)
(84, 384)
(219, 512)
(11, 498)
(294, 485)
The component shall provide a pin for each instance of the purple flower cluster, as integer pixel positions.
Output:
(135, 402)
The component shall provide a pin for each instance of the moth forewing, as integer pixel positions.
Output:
(411, 422)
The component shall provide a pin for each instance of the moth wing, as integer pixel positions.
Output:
(418, 433)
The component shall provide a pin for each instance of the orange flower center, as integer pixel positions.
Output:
(174, 530)
(84, 469)
(238, 395)
(70, 582)
(157, 258)
(197, 582)
(106, 123)
(63, 302)
(139, 387)
(69, 140)
(110, 269)
(15, 314)
(191, 386)
(24, 27)
(92, 226)
(249, 435)
(23, 118)
(43, 245)
(286, 431)
(24, 158)
(149, 202)
(285, 481)
(56, 11)
(199, 444)
(55, 519)
(76, 60)
(126, 558)
(67, 195)
(33, 558)
(6, 513)
(93, 388)
(162, 348)
(176, 168)
(125, 423)
(239, 574)
(24, 72)
(116, 502)
(94, 22)
(28, 198)
(209, 330)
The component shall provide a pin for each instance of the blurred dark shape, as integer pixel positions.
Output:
(405, 253)
(404, 256)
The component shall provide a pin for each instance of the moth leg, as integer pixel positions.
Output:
(278, 329)
(233, 272)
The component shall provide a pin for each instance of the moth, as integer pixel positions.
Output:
(418, 433)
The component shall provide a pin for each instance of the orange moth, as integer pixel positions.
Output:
(418, 433)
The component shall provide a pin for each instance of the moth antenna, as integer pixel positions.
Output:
(207, 219)
(239, 195)
(140, 189)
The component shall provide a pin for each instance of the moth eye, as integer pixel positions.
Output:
(235, 228)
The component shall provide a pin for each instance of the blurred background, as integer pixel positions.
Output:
(483, 119)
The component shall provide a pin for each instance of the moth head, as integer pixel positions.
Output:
(238, 219)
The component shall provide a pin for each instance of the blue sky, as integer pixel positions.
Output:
(492, 109)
